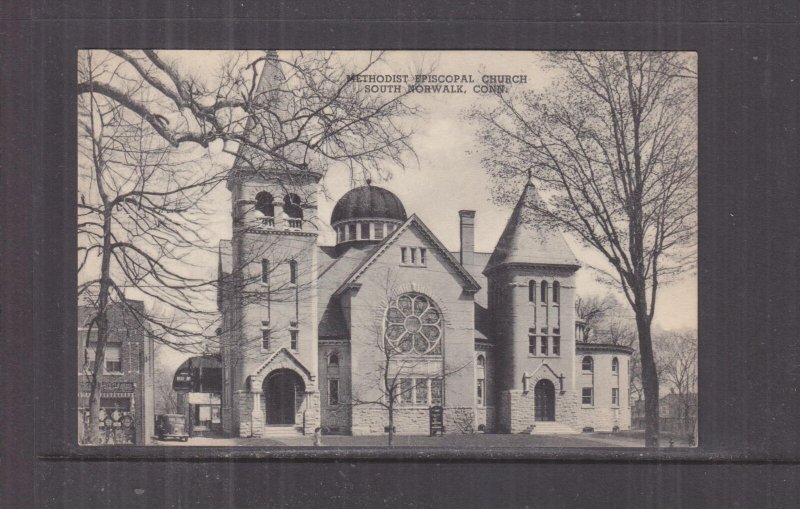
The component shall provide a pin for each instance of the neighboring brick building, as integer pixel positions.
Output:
(488, 336)
(126, 383)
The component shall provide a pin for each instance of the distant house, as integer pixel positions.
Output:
(677, 413)
(126, 377)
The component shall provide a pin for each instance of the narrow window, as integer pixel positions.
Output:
(113, 362)
(265, 271)
(403, 255)
(587, 364)
(544, 345)
(543, 296)
(615, 365)
(556, 345)
(265, 337)
(390, 227)
(364, 231)
(532, 345)
(292, 271)
(422, 255)
(351, 231)
(413, 255)
(481, 361)
(556, 292)
(340, 234)
(481, 389)
(436, 391)
(532, 291)
(406, 391)
(264, 204)
(378, 231)
(333, 391)
(615, 396)
(421, 392)
(587, 396)
(293, 339)
(333, 360)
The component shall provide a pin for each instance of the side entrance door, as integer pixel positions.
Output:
(544, 395)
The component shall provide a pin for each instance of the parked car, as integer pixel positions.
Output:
(171, 426)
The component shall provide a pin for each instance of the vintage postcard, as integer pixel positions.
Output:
(464, 249)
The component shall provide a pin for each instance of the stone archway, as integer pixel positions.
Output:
(283, 389)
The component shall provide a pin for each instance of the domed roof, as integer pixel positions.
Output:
(368, 202)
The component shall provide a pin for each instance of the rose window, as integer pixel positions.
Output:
(414, 325)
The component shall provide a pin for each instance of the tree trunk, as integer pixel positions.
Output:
(649, 379)
(101, 320)
(391, 422)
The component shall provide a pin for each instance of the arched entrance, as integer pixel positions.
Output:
(544, 396)
(283, 388)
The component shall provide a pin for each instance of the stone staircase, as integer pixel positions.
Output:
(550, 428)
(280, 432)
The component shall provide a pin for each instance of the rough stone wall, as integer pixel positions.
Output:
(516, 412)
(373, 419)
(243, 408)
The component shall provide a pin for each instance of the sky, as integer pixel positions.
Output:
(446, 177)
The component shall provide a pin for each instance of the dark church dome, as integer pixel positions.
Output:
(368, 202)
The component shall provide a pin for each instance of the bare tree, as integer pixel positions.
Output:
(613, 144)
(398, 360)
(676, 356)
(593, 310)
(148, 133)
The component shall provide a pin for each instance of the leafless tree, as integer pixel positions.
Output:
(148, 135)
(676, 356)
(396, 364)
(593, 310)
(612, 145)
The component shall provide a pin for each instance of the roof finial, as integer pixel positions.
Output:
(530, 175)
(369, 182)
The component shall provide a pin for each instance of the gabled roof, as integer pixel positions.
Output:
(332, 323)
(467, 281)
(526, 240)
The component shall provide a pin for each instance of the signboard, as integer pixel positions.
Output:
(106, 386)
(436, 420)
(183, 379)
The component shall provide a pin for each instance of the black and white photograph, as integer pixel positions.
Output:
(460, 249)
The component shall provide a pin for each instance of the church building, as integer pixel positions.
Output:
(320, 335)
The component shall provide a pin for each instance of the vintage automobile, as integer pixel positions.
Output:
(171, 426)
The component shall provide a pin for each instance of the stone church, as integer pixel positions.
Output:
(330, 335)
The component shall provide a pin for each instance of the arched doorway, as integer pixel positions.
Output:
(544, 395)
(283, 388)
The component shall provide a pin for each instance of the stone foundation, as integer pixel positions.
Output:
(604, 418)
(516, 410)
(373, 419)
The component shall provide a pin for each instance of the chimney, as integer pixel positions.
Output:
(467, 252)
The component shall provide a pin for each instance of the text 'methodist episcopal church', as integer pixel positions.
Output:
(308, 329)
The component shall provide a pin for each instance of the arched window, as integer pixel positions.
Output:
(291, 206)
(544, 292)
(587, 364)
(264, 204)
(615, 365)
(481, 361)
(556, 292)
(414, 325)
(333, 359)
(532, 291)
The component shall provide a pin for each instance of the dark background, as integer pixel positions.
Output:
(749, 67)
